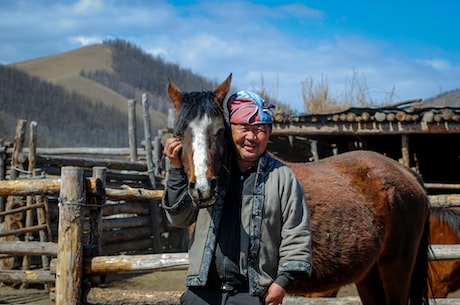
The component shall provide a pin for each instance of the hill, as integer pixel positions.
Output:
(64, 118)
(94, 81)
(446, 99)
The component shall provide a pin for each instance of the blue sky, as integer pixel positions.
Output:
(395, 50)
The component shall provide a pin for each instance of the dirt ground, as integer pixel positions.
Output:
(155, 281)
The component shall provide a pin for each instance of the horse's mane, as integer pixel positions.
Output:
(196, 104)
(449, 216)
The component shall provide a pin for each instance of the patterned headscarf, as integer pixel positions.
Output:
(246, 107)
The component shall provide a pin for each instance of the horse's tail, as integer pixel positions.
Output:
(421, 281)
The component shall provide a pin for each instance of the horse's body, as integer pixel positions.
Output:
(369, 214)
(444, 274)
(445, 229)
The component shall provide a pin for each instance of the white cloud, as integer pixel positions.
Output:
(83, 6)
(436, 64)
(84, 41)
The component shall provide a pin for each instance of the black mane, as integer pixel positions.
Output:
(196, 104)
(450, 216)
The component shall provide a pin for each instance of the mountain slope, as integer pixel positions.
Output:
(64, 70)
(63, 118)
(53, 67)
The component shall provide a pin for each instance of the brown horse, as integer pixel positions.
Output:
(444, 274)
(445, 229)
(369, 214)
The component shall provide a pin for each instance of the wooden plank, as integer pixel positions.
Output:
(23, 230)
(445, 252)
(92, 151)
(445, 200)
(22, 209)
(447, 186)
(29, 248)
(136, 263)
(26, 276)
(92, 162)
(29, 187)
(133, 193)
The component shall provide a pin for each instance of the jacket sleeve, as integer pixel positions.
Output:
(295, 248)
(177, 204)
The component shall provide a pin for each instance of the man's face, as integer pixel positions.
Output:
(250, 141)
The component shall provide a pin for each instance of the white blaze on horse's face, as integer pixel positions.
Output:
(200, 157)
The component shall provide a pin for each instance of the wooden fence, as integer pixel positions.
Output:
(77, 256)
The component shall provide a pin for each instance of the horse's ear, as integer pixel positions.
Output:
(175, 94)
(222, 90)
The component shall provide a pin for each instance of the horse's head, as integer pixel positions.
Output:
(200, 125)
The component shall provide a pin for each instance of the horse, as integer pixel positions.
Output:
(445, 229)
(368, 213)
(443, 274)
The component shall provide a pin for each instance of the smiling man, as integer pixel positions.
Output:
(258, 243)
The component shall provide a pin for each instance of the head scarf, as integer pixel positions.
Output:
(246, 107)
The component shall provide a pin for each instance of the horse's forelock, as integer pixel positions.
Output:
(196, 104)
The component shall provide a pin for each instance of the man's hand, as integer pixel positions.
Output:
(172, 150)
(275, 294)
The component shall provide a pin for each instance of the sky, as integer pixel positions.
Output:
(393, 50)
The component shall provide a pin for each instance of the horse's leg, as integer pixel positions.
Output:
(370, 288)
(396, 278)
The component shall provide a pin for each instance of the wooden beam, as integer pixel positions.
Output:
(136, 263)
(29, 187)
(70, 250)
(445, 252)
(28, 248)
(27, 276)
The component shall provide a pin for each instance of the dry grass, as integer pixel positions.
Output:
(64, 69)
(317, 98)
(54, 67)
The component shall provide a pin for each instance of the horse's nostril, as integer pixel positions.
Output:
(191, 185)
(214, 183)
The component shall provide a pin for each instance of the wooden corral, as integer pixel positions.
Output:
(121, 228)
(132, 220)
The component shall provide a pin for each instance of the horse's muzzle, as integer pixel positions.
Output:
(204, 195)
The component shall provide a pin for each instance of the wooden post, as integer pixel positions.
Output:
(132, 129)
(157, 151)
(17, 149)
(405, 150)
(148, 140)
(70, 252)
(151, 171)
(2, 174)
(97, 202)
(100, 174)
(43, 219)
(30, 199)
(314, 149)
(32, 147)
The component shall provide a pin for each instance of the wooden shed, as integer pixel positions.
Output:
(425, 139)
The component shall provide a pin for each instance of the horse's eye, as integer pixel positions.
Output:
(219, 133)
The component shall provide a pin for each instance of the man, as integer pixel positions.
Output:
(254, 249)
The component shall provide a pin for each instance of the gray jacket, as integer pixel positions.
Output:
(275, 234)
